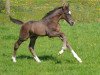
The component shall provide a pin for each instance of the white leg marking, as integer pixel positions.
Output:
(14, 59)
(76, 56)
(61, 51)
(37, 59)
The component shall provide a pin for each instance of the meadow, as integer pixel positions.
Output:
(84, 37)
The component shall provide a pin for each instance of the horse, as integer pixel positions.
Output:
(47, 26)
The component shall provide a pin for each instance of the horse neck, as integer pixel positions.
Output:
(53, 18)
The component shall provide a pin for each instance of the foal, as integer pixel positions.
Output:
(47, 26)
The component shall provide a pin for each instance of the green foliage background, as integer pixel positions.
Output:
(82, 10)
(1, 5)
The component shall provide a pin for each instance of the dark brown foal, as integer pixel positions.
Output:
(47, 26)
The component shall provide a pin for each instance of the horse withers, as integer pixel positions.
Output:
(47, 26)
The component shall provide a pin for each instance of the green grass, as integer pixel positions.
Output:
(84, 37)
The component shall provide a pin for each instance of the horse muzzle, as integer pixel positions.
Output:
(71, 23)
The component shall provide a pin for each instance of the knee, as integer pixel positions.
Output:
(63, 35)
(16, 46)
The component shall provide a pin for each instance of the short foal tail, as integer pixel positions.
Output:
(16, 21)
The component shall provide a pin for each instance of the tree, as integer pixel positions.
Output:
(2, 7)
(7, 6)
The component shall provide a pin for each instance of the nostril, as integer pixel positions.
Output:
(73, 22)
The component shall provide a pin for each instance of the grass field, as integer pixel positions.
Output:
(84, 37)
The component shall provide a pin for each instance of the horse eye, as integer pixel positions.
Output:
(66, 13)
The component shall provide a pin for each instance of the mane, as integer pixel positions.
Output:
(51, 12)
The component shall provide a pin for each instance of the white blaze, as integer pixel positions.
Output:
(69, 12)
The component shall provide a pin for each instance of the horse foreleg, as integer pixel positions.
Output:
(65, 44)
(31, 48)
(63, 38)
(73, 52)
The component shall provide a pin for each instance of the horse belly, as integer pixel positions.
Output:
(39, 30)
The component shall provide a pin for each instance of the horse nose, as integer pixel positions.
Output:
(72, 23)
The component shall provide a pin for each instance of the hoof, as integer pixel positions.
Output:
(60, 52)
(14, 59)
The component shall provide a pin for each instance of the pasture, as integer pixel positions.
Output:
(84, 38)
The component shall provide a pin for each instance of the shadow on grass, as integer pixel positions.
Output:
(24, 57)
(50, 57)
(57, 61)
(44, 58)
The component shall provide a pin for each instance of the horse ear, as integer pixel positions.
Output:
(68, 5)
(64, 5)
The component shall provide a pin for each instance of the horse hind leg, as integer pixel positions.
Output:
(16, 46)
(24, 35)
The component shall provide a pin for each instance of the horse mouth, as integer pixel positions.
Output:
(72, 23)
